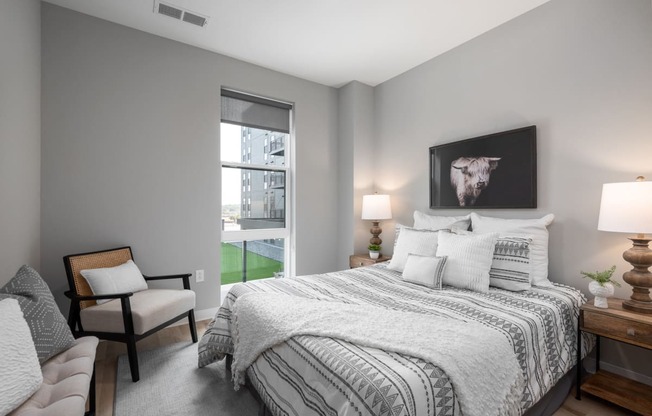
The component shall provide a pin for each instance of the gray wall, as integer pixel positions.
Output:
(131, 150)
(20, 135)
(581, 71)
(355, 167)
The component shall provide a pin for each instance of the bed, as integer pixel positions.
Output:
(314, 375)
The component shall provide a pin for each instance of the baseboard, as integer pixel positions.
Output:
(589, 365)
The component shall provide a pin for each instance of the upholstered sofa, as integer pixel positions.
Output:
(44, 370)
(68, 381)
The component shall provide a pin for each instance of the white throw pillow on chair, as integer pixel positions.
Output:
(110, 280)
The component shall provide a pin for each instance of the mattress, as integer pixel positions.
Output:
(311, 375)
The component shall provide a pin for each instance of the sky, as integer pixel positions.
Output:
(230, 148)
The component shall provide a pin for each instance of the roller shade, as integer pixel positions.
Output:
(255, 112)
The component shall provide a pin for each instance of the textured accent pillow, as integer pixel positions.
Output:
(434, 222)
(111, 280)
(423, 242)
(469, 259)
(536, 228)
(49, 329)
(510, 268)
(397, 232)
(19, 366)
(424, 270)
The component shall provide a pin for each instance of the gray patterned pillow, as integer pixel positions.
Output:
(510, 268)
(49, 329)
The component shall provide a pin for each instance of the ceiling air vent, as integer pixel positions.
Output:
(170, 11)
(194, 19)
(179, 13)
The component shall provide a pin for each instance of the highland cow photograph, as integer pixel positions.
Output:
(498, 170)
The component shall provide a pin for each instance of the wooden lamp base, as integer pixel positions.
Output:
(640, 278)
(375, 232)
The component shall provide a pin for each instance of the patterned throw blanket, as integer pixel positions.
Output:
(312, 375)
(262, 320)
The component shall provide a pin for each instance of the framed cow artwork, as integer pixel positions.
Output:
(498, 170)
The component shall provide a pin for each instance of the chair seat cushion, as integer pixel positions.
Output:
(66, 380)
(149, 308)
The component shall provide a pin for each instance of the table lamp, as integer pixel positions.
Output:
(375, 208)
(626, 207)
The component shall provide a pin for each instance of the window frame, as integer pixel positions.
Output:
(287, 233)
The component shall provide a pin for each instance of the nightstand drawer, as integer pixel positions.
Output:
(361, 260)
(618, 328)
(357, 261)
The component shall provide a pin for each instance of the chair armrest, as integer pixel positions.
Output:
(167, 277)
(184, 276)
(75, 307)
(75, 297)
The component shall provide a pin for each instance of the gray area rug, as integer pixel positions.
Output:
(171, 384)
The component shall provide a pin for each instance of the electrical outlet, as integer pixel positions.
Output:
(199, 276)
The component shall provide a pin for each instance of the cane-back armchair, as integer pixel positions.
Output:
(127, 317)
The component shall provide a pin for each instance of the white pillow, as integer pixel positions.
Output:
(411, 241)
(535, 228)
(434, 222)
(469, 259)
(510, 268)
(397, 232)
(110, 280)
(424, 270)
(20, 372)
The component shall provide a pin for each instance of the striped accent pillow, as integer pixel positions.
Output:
(469, 259)
(510, 268)
(424, 270)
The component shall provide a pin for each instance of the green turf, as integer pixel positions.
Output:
(258, 266)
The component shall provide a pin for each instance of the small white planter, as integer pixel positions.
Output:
(601, 293)
(374, 254)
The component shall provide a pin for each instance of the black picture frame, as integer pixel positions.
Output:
(497, 170)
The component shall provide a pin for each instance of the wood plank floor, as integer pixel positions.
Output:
(108, 353)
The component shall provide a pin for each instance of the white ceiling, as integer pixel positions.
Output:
(330, 42)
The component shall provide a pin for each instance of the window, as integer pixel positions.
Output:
(256, 172)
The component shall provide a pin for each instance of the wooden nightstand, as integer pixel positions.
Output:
(359, 260)
(623, 326)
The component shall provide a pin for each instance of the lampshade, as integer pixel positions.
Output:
(376, 207)
(626, 207)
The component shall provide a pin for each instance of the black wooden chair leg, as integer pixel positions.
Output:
(71, 317)
(133, 359)
(193, 327)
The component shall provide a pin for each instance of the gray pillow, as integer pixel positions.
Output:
(49, 328)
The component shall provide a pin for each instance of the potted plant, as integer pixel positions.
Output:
(374, 251)
(601, 286)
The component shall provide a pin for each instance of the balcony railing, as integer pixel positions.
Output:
(277, 147)
(277, 180)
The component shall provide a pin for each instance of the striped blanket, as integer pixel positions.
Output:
(311, 375)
